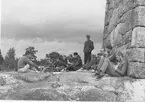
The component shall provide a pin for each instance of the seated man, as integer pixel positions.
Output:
(117, 69)
(76, 63)
(25, 64)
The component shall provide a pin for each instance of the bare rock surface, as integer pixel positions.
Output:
(69, 86)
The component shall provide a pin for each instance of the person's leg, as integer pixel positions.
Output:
(100, 63)
(68, 68)
(85, 58)
(89, 56)
(111, 71)
(25, 69)
(104, 65)
(103, 68)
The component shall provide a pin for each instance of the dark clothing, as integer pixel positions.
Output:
(91, 63)
(88, 47)
(77, 64)
(87, 57)
(123, 67)
(112, 57)
(1, 59)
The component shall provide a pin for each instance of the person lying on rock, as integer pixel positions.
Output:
(117, 69)
(25, 64)
(76, 63)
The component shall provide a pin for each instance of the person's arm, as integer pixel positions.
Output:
(112, 56)
(68, 62)
(121, 68)
(77, 63)
(92, 44)
(32, 64)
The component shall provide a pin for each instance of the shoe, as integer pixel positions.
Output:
(81, 69)
(97, 73)
(100, 75)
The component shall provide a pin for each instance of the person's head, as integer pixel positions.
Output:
(75, 54)
(102, 51)
(99, 54)
(88, 37)
(119, 56)
(29, 54)
(70, 56)
(64, 57)
(108, 48)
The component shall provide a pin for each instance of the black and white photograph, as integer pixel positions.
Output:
(72, 50)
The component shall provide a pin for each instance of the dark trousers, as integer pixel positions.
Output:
(87, 57)
(71, 68)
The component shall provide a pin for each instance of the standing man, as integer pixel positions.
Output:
(88, 47)
(1, 58)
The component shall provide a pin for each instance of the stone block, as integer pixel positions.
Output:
(108, 16)
(136, 70)
(139, 2)
(138, 37)
(136, 55)
(127, 22)
(107, 41)
(127, 37)
(139, 16)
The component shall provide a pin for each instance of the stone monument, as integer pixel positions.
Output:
(124, 28)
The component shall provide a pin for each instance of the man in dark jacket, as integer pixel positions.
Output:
(88, 47)
(1, 58)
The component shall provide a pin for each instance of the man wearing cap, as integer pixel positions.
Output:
(24, 63)
(88, 47)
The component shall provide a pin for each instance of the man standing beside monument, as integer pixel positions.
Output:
(88, 47)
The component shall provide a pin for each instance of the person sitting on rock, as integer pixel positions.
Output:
(25, 64)
(117, 69)
(75, 64)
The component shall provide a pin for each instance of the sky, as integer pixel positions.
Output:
(51, 25)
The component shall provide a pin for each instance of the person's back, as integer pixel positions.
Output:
(22, 62)
(88, 46)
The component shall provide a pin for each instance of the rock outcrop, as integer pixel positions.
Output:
(69, 86)
(125, 28)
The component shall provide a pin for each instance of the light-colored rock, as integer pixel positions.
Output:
(139, 16)
(138, 37)
(80, 86)
(136, 70)
(127, 37)
(125, 29)
(136, 54)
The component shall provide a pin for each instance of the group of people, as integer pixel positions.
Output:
(112, 62)
(108, 61)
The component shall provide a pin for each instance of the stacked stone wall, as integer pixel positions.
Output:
(125, 28)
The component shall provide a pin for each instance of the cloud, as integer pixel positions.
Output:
(53, 19)
(37, 11)
(51, 25)
(44, 47)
